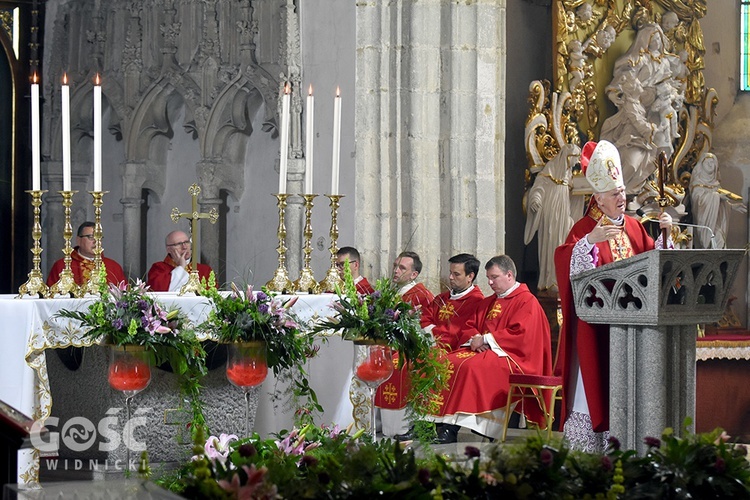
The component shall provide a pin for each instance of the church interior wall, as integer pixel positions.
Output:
(721, 27)
(328, 61)
(529, 52)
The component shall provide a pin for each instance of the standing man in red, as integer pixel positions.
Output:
(82, 260)
(604, 234)
(173, 272)
(508, 333)
(352, 255)
(391, 395)
(447, 315)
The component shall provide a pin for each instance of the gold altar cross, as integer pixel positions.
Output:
(193, 284)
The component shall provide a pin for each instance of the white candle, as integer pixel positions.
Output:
(336, 143)
(284, 140)
(309, 143)
(97, 135)
(36, 182)
(66, 133)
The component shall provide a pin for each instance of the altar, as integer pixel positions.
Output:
(32, 329)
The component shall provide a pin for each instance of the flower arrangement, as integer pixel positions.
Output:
(126, 314)
(246, 315)
(384, 316)
(321, 462)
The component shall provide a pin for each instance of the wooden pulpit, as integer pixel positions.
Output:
(653, 302)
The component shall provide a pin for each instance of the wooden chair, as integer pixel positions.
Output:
(542, 383)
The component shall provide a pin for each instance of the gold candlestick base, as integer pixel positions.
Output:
(280, 282)
(193, 285)
(332, 279)
(306, 282)
(66, 284)
(35, 285)
(97, 280)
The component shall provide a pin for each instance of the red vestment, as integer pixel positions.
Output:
(590, 341)
(392, 393)
(363, 286)
(450, 316)
(160, 274)
(479, 380)
(81, 267)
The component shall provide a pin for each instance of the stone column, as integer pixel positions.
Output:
(52, 216)
(133, 178)
(295, 217)
(429, 129)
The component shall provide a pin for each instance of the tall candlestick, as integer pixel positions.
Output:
(66, 133)
(35, 155)
(336, 143)
(309, 143)
(284, 139)
(97, 135)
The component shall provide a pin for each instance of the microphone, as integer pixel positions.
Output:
(641, 213)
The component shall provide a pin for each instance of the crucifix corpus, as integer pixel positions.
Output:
(193, 284)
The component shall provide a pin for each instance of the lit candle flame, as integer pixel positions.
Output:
(287, 88)
(65, 78)
(310, 89)
(338, 92)
(34, 78)
(97, 80)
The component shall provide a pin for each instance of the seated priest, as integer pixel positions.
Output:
(352, 255)
(508, 333)
(604, 234)
(82, 260)
(173, 272)
(445, 318)
(390, 397)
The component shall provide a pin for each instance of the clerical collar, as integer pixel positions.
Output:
(618, 221)
(407, 287)
(81, 255)
(460, 295)
(508, 291)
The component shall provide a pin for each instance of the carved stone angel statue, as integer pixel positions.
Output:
(711, 205)
(548, 210)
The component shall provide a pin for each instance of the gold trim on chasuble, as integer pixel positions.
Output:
(497, 310)
(390, 393)
(620, 245)
(446, 312)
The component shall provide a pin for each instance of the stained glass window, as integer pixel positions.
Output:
(745, 45)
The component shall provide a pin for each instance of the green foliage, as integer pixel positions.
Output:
(384, 316)
(322, 462)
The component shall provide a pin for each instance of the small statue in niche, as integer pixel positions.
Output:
(575, 64)
(711, 205)
(548, 211)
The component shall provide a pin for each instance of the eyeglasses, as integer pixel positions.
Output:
(340, 265)
(180, 244)
(90, 237)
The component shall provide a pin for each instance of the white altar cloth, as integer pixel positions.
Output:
(30, 327)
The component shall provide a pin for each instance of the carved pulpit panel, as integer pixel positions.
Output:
(661, 287)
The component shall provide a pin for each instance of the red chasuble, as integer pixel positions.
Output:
(479, 380)
(590, 341)
(81, 267)
(450, 316)
(160, 274)
(364, 287)
(392, 393)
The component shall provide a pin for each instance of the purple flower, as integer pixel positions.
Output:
(142, 305)
(472, 452)
(247, 450)
(652, 442)
(720, 465)
(121, 304)
(308, 461)
(606, 463)
(423, 476)
(263, 308)
(614, 443)
(375, 295)
(117, 323)
(370, 309)
(389, 313)
(261, 297)
(217, 449)
(546, 457)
